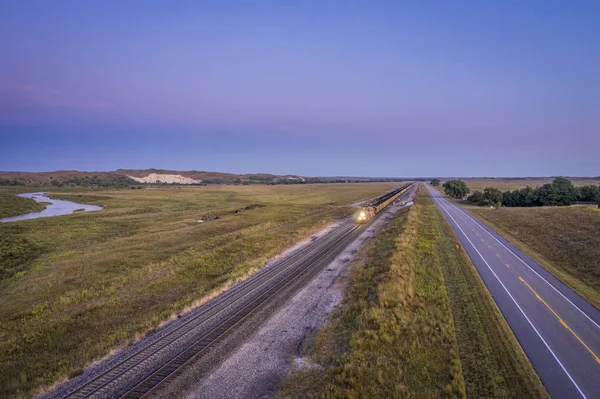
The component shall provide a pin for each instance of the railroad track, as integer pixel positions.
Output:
(206, 327)
(165, 356)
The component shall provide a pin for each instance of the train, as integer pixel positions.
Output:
(368, 211)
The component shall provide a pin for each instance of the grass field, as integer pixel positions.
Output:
(12, 205)
(74, 287)
(416, 321)
(514, 184)
(565, 240)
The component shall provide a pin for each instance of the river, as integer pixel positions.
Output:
(54, 208)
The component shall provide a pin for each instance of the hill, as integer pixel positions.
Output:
(128, 177)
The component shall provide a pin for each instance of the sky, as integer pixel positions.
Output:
(323, 88)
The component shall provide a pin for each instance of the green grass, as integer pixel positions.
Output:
(493, 363)
(13, 205)
(565, 240)
(416, 321)
(75, 287)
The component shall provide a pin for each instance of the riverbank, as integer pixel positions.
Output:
(51, 207)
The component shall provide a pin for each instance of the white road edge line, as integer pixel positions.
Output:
(525, 263)
(513, 299)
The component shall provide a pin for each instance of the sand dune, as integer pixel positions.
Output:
(164, 178)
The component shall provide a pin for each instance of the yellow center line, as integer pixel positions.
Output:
(507, 265)
(497, 255)
(561, 320)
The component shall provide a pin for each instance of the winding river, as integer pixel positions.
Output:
(54, 208)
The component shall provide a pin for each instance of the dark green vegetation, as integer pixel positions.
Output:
(589, 193)
(13, 205)
(456, 188)
(514, 183)
(490, 196)
(435, 182)
(565, 240)
(416, 321)
(75, 287)
(66, 178)
(561, 192)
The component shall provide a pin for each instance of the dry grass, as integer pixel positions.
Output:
(565, 240)
(393, 335)
(416, 321)
(80, 285)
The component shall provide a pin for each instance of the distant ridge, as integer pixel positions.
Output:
(128, 177)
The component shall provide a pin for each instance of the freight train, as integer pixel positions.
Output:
(368, 211)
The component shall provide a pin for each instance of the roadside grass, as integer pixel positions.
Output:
(393, 334)
(416, 321)
(75, 287)
(13, 205)
(493, 362)
(564, 240)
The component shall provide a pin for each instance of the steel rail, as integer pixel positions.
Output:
(188, 355)
(287, 270)
(244, 290)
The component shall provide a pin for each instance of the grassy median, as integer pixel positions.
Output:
(74, 287)
(416, 321)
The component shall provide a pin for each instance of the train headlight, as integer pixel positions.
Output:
(362, 215)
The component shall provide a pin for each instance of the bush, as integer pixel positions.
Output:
(456, 188)
(560, 192)
(476, 197)
(588, 193)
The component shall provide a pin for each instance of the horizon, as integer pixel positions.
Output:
(424, 177)
(341, 89)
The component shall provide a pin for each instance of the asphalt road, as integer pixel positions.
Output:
(559, 330)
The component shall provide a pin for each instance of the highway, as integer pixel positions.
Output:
(558, 330)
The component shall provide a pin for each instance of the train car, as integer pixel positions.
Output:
(369, 211)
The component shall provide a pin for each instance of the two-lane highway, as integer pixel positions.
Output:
(559, 331)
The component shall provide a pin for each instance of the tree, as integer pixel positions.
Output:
(560, 192)
(435, 182)
(476, 197)
(456, 188)
(492, 196)
(588, 193)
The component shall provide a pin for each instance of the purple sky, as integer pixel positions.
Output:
(415, 88)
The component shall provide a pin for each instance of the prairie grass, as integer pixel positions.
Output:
(393, 335)
(75, 287)
(565, 240)
(416, 321)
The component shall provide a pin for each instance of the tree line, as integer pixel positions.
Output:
(561, 192)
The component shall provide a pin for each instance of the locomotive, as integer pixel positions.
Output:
(368, 211)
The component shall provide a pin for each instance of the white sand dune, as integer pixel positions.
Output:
(164, 178)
